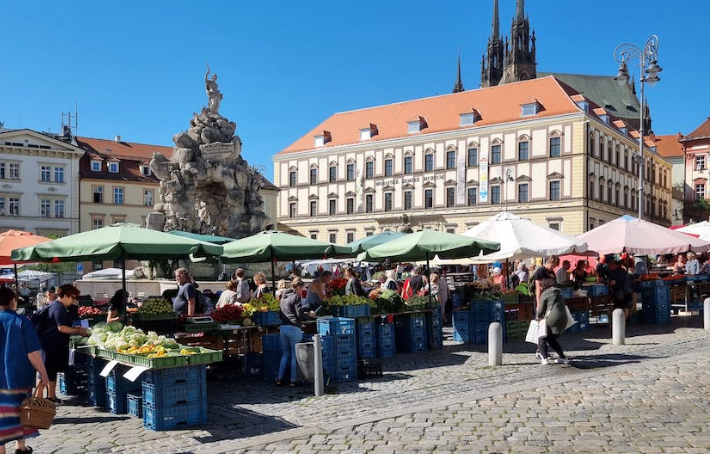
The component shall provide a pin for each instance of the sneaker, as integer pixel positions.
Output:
(544, 361)
(538, 355)
(563, 361)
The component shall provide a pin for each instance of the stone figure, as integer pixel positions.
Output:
(214, 97)
(205, 185)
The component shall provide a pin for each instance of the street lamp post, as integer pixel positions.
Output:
(647, 64)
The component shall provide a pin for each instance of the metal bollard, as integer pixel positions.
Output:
(618, 327)
(318, 367)
(707, 307)
(495, 341)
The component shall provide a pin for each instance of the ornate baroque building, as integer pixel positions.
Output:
(538, 148)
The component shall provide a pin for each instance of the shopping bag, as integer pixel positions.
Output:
(532, 334)
(571, 321)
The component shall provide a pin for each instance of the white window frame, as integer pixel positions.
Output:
(113, 167)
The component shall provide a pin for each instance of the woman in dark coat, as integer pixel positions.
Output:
(552, 307)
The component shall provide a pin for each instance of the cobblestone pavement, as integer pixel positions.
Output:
(650, 395)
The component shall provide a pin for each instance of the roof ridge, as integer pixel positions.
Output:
(123, 142)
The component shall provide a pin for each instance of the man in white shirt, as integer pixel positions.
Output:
(563, 274)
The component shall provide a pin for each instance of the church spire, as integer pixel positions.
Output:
(519, 9)
(493, 63)
(458, 86)
(495, 20)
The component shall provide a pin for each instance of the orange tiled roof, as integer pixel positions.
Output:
(701, 132)
(138, 151)
(500, 104)
(130, 155)
(669, 146)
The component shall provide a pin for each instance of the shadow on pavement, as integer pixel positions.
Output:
(606, 360)
(240, 423)
(90, 420)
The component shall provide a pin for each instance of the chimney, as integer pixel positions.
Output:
(652, 137)
(117, 139)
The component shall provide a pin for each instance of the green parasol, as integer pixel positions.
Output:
(214, 239)
(368, 242)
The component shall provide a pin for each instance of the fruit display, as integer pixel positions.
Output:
(154, 306)
(88, 311)
(248, 310)
(227, 313)
(268, 302)
(346, 300)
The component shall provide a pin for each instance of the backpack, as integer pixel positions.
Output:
(203, 304)
(243, 291)
(40, 319)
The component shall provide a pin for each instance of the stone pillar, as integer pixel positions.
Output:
(495, 344)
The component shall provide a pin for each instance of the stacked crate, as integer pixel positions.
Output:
(341, 334)
(461, 323)
(174, 397)
(365, 330)
(582, 321)
(95, 383)
(118, 388)
(410, 333)
(74, 381)
(483, 313)
(385, 340)
(596, 289)
(271, 356)
(656, 305)
(516, 330)
(434, 329)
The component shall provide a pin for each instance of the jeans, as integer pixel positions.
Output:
(550, 339)
(290, 336)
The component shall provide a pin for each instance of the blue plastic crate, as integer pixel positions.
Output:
(581, 316)
(271, 342)
(96, 385)
(352, 311)
(253, 364)
(117, 384)
(366, 351)
(174, 394)
(346, 373)
(328, 360)
(345, 358)
(567, 292)
(116, 403)
(385, 340)
(165, 377)
(365, 328)
(461, 322)
(457, 300)
(134, 405)
(343, 343)
(700, 278)
(596, 289)
(268, 318)
(183, 415)
(335, 326)
(72, 384)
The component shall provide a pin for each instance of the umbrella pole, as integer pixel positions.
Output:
(123, 267)
(429, 279)
(273, 274)
(17, 282)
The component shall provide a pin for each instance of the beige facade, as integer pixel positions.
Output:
(106, 202)
(571, 172)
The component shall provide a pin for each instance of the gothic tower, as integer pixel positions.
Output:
(458, 85)
(520, 59)
(492, 64)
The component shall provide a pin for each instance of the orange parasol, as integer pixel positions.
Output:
(16, 239)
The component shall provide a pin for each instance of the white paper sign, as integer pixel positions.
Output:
(71, 356)
(84, 323)
(109, 367)
(134, 373)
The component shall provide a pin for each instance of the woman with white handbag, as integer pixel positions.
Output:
(552, 309)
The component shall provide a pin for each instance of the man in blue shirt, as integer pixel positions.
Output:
(184, 302)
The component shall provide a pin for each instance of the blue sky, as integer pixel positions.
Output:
(135, 69)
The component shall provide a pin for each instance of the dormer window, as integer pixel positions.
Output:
(530, 109)
(145, 171)
(96, 166)
(605, 119)
(623, 130)
(113, 167)
(583, 105)
(322, 139)
(469, 118)
(416, 125)
(369, 132)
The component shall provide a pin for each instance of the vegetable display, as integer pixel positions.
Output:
(115, 337)
(88, 311)
(155, 306)
(227, 313)
(267, 302)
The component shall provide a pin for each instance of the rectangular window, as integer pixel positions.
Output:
(292, 210)
(496, 195)
(700, 191)
(45, 173)
(313, 176)
(45, 208)
(429, 162)
(555, 190)
(99, 194)
(554, 147)
(332, 237)
(292, 178)
(350, 237)
(451, 160)
(332, 174)
(472, 157)
(523, 151)
(350, 172)
(369, 203)
(59, 208)
(450, 197)
(369, 169)
(388, 201)
(59, 174)
(314, 236)
(554, 226)
(350, 203)
(332, 207)
(471, 196)
(118, 196)
(96, 167)
(146, 171)
(14, 170)
(407, 200)
(523, 192)
(97, 223)
(388, 167)
(369, 233)
(2, 206)
(2, 170)
(496, 154)
(113, 167)
(313, 206)
(429, 198)
(408, 165)
(700, 162)
(14, 206)
(148, 197)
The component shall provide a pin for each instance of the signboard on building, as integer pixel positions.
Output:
(461, 179)
(483, 175)
(217, 150)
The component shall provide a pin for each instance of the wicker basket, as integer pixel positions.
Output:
(36, 411)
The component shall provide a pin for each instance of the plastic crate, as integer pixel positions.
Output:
(335, 326)
(117, 384)
(134, 405)
(457, 300)
(206, 356)
(596, 289)
(365, 327)
(253, 364)
(183, 415)
(270, 365)
(410, 333)
(167, 377)
(567, 292)
(116, 403)
(345, 358)
(346, 372)
(328, 360)
(352, 310)
(385, 340)
(510, 298)
(175, 394)
(271, 342)
(96, 385)
(461, 323)
(344, 343)
(267, 318)
(488, 311)
(141, 317)
(198, 327)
